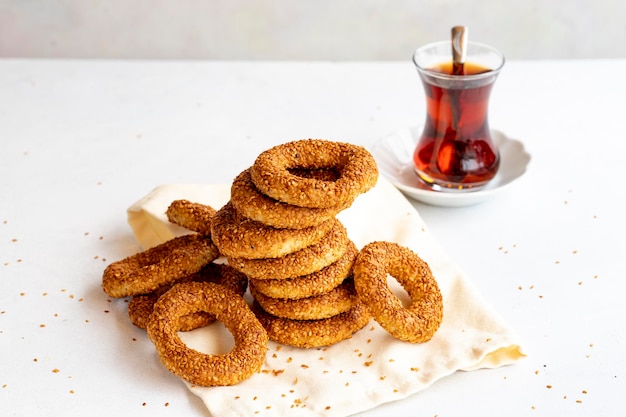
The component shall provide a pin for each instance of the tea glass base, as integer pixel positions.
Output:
(449, 187)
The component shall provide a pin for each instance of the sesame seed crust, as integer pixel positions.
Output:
(168, 262)
(140, 307)
(254, 205)
(246, 357)
(239, 237)
(191, 216)
(303, 262)
(317, 283)
(417, 323)
(356, 166)
(314, 333)
(337, 301)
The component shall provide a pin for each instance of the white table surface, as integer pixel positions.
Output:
(82, 140)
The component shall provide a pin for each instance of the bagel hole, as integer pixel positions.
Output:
(399, 291)
(322, 174)
(214, 339)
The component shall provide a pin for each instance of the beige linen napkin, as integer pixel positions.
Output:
(371, 368)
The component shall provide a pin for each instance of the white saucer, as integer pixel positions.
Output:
(394, 155)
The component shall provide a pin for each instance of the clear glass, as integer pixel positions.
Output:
(456, 151)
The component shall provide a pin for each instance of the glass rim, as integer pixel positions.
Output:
(439, 44)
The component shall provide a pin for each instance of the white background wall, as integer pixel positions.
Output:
(306, 29)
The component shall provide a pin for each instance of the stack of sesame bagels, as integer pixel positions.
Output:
(280, 230)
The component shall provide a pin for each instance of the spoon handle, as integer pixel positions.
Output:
(459, 49)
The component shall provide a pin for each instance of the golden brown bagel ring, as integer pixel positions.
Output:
(246, 357)
(191, 216)
(238, 237)
(160, 265)
(140, 307)
(303, 262)
(356, 166)
(417, 323)
(313, 333)
(336, 301)
(254, 205)
(317, 283)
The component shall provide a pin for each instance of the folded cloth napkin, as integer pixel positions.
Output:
(372, 367)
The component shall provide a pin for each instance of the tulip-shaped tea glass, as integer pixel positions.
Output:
(455, 151)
